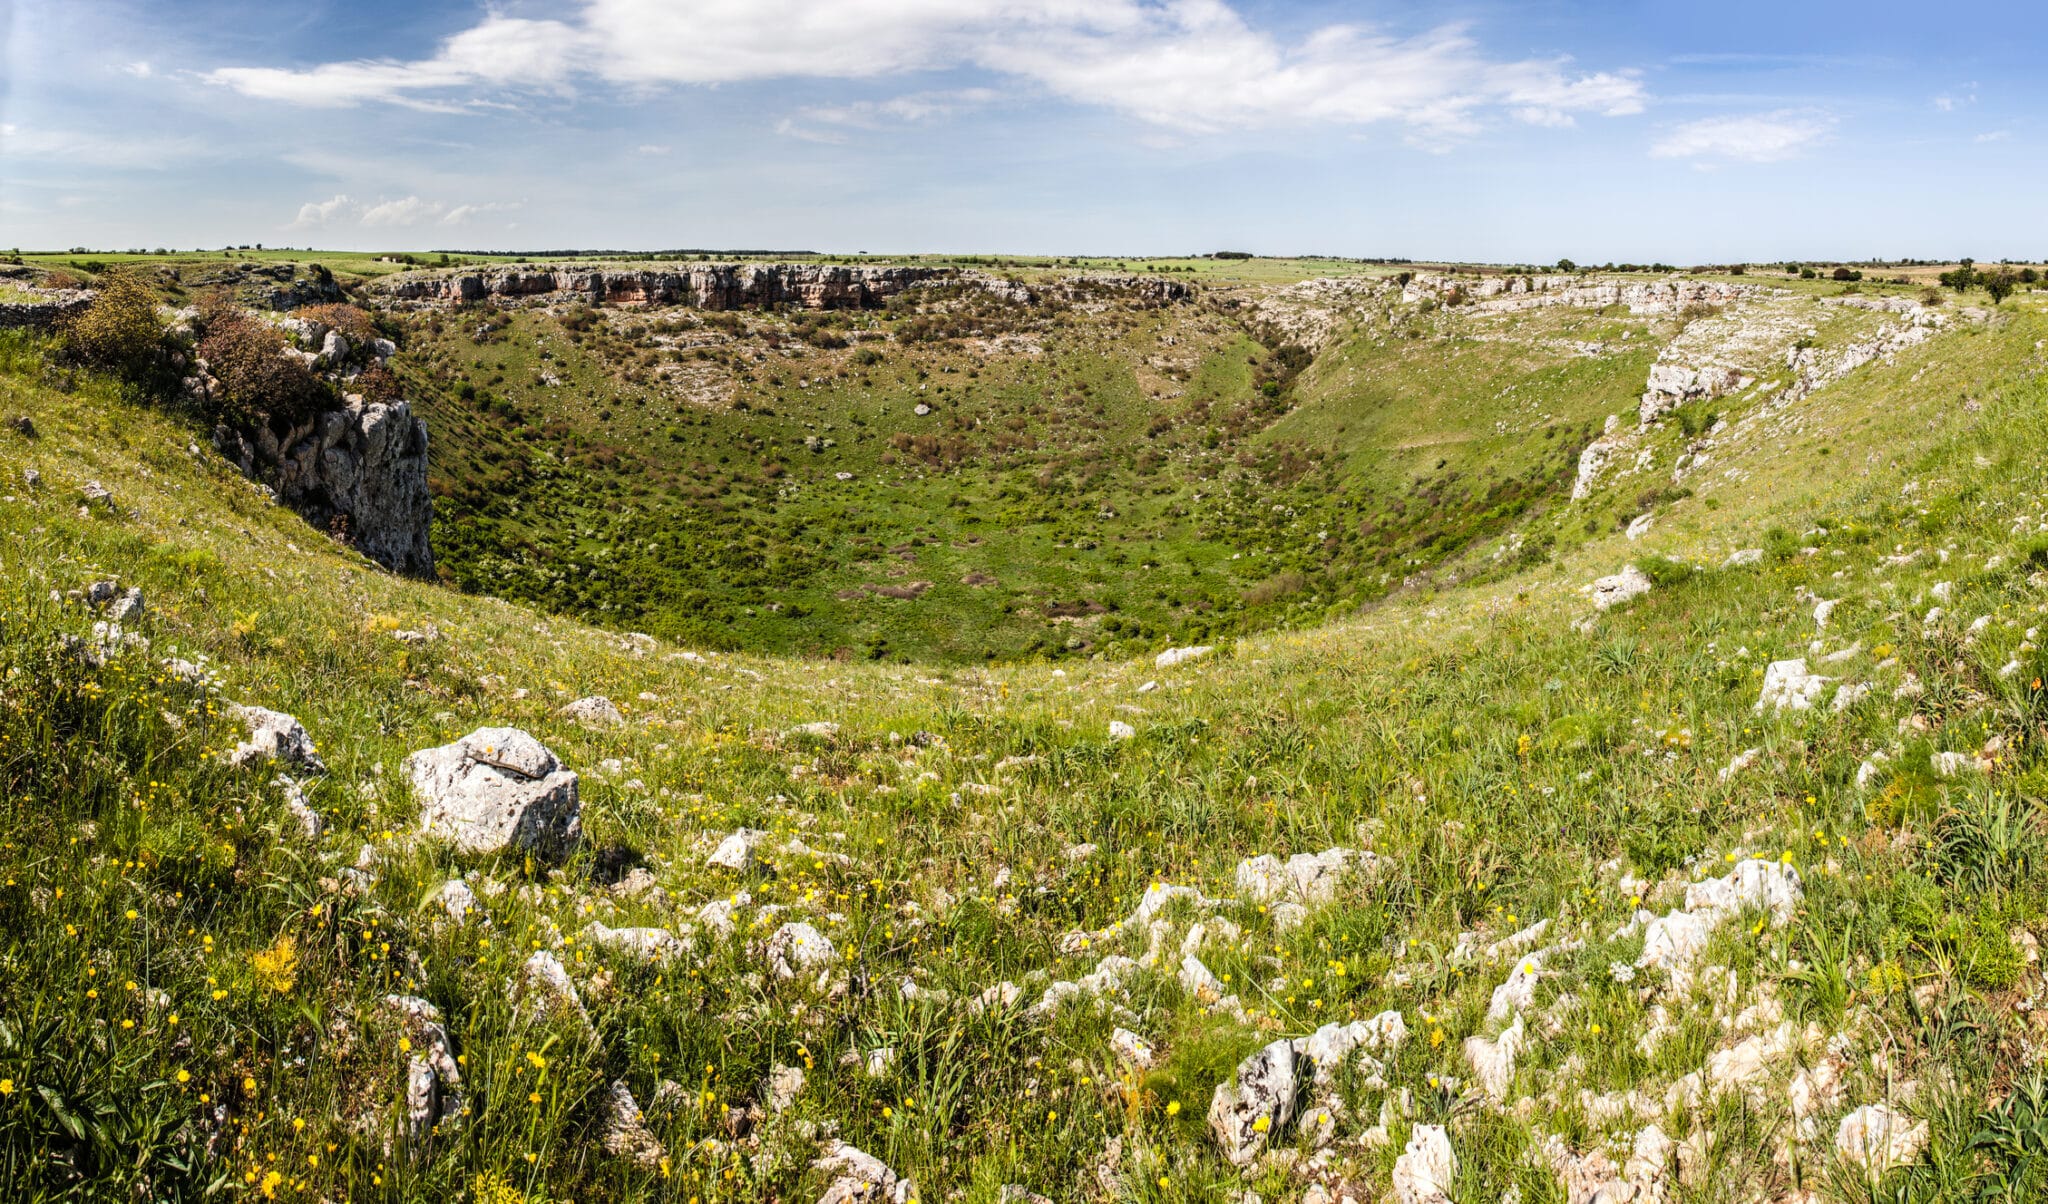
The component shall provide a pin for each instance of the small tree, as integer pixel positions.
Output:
(2000, 285)
(119, 330)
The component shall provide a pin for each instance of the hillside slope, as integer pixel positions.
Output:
(1561, 897)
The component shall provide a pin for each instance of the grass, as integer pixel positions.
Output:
(1508, 768)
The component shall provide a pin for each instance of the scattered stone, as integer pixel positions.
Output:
(736, 852)
(1119, 730)
(1013, 1193)
(458, 900)
(1609, 592)
(1493, 1062)
(311, 824)
(274, 736)
(1423, 1172)
(594, 712)
(1131, 1049)
(799, 947)
(1176, 656)
(654, 946)
(1874, 1138)
(545, 990)
(1246, 1113)
(626, 1134)
(1743, 558)
(1789, 687)
(785, 1083)
(860, 1178)
(497, 789)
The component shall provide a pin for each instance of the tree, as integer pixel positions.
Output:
(1566, 265)
(1960, 279)
(119, 330)
(2000, 284)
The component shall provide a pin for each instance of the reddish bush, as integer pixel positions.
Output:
(257, 379)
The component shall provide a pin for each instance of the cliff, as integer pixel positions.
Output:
(701, 286)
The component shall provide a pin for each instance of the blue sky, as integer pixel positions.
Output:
(1594, 129)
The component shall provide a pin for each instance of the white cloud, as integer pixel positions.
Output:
(406, 211)
(1195, 65)
(1961, 98)
(1761, 138)
(912, 109)
(140, 69)
(1993, 136)
(321, 213)
(76, 148)
(651, 149)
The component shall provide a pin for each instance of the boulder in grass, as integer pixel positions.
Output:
(1250, 1111)
(495, 790)
(274, 736)
(594, 712)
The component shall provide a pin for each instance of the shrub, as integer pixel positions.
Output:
(354, 324)
(119, 330)
(257, 380)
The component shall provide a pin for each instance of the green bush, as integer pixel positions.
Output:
(120, 330)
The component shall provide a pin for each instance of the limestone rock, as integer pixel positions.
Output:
(545, 990)
(626, 1134)
(1176, 656)
(1789, 687)
(650, 945)
(1493, 1062)
(1131, 1049)
(784, 1084)
(1609, 592)
(736, 852)
(1875, 1138)
(358, 473)
(274, 736)
(1426, 1167)
(1246, 1113)
(860, 1178)
(594, 712)
(799, 947)
(494, 790)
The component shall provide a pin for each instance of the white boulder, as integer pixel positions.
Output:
(274, 736)
(494, 790)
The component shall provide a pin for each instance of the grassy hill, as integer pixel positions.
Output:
(194, 1003)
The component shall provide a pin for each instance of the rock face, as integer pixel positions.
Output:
(497, 789)
(756, 286)
(701, 286)
(359, 473)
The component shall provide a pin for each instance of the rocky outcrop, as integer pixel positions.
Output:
(757, 286)
(359, 473)
(1506, 294)
(700, 286)
(47, 308)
